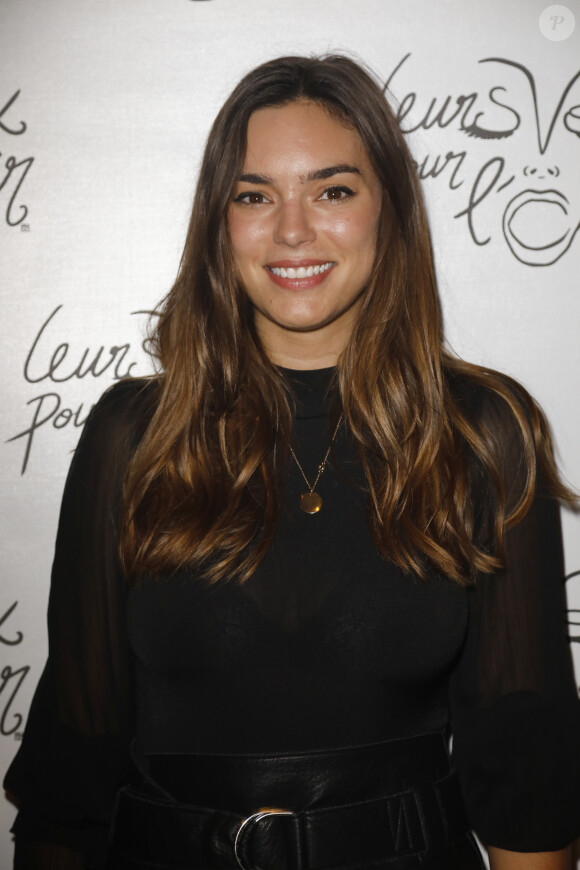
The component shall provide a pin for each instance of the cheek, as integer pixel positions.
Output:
(245, 233)
(357, 232)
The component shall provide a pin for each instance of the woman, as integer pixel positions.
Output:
(330, 531)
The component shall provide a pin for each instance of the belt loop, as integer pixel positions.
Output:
(450, 803)
(141, 773)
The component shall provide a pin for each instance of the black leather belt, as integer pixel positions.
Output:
(388, 801)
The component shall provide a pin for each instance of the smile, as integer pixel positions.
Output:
(299, 271)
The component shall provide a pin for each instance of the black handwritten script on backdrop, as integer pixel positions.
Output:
(517, 171)
(13, 169)
(572, 582)
(12, 676)
(52, 362)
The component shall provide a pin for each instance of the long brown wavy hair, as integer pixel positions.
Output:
(203, 485)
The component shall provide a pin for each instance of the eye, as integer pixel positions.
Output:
(337, 193)
(251, 197)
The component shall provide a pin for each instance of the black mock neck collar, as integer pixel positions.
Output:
(314, 390)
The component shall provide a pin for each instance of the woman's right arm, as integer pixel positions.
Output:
(74, 754)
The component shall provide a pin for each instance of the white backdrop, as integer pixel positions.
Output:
(104, 108)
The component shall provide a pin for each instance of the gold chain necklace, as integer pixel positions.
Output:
(311, 502)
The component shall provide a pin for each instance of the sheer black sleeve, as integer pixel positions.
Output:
(514, 703)
(73, 756)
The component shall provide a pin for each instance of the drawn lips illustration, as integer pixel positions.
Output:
(537, 228)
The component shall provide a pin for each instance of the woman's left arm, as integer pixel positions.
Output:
(501, 859)
(514, 702)
(516, 715)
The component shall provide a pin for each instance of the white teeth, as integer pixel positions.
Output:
(300, 272)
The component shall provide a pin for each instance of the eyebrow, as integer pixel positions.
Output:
(317, 175)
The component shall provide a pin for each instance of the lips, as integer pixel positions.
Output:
(299, 274)
(536, 226)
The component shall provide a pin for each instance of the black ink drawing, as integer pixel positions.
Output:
(15, 170)
(53, 361)
(573, 612)
(523, 144)
(11, 679)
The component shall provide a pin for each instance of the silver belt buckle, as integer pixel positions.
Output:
(250, 820)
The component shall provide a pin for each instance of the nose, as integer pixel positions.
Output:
(293, 224)
(543, 171)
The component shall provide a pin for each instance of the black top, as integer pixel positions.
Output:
(327, 645)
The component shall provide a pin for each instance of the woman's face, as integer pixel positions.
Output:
(303, 225)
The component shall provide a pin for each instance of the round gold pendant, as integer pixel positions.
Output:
(310, 502)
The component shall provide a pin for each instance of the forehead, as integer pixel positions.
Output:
(299, 135)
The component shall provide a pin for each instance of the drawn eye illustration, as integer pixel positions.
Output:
(478, 132)
(475, 128)
(572, 120)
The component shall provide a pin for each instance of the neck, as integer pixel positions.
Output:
(306, 349)
(303, 350)
(300, 363)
